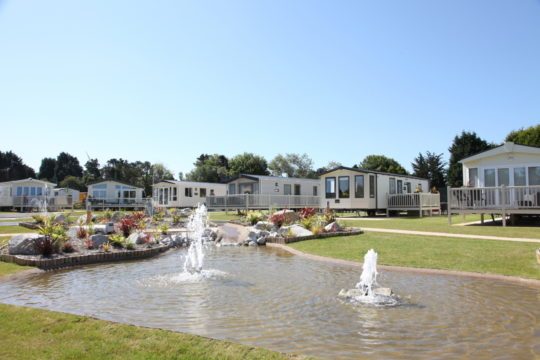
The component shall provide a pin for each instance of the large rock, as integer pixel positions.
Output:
(295, 231)
(139, 238)
(98, 240)
(383, 291)
(210, 234)
(59, 219)
(332, 227)
(290, 216)
(264, 225)
(24, 244)
(102, 228)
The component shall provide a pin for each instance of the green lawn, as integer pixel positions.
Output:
(440, 224)
(15, 229)
(21, 219)
(40, 334)
(221, 215)
(482, 256)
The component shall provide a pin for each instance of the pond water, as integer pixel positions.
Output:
(270, 298)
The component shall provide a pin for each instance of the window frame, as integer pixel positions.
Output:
(330, 195)
(372, 186)
(357, 194)
(344, 194)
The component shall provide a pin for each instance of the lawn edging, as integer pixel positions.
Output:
(283, 240)
(515, 279)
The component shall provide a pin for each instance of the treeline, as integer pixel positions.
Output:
(66, 171)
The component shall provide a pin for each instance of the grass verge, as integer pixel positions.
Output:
(222, 216)
(481, 256)
(39, 334)
(440, 224)
(14, 229)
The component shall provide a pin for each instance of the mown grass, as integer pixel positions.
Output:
(440, 224)
(14, 229)
(482, 256)
(40, 334)
(223, 216)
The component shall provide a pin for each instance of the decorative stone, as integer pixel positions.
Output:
(332, 227)
(350, 293)
(252, 243)
(383, 291)
(263, 225)
(210, 234)
(24, 244)
(98, 240)
(295, 231)
(59, 219)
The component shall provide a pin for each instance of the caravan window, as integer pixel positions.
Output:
(534, 175)
(202, 192)
(392, 188)
(174, 193)
(188, 192)
(503, 176)
(287, 189)
(473, 177)
(489, 177)
(519, 177)
(359, 186)
(330, 187)
(211, 192)
(314, 191)
(232, 189)
(371, 186)
(19, 191)
(400, 186)
(344, 191)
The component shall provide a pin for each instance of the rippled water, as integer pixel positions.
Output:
(269, 298)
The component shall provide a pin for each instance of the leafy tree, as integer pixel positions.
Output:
(92, 172)
(47, 168)
(383, 164)
(248, 163)
(160, 172)
(13, 168)
(181, 176)
(67, 164)
(431, 167)
(209, 168)
(464, 145)
(529, 136)
(331, 165)
(294, 165)
(73, 182)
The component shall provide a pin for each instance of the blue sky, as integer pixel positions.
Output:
(164, 81)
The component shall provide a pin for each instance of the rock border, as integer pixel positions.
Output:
(85, 259)
(281, 240)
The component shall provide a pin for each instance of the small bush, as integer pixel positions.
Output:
(106, 247)
(158, 216)
(307, 222)
(307, 213)
(329, 216)
(277, 219)
(163, 228)
(130, 246)
(117, 241)
(126, 226)
(68, 247)
(254, 217)
(176, 218)
(137, 216)
(45, 247)
(82, 233)
(317, 229)
(39, 219)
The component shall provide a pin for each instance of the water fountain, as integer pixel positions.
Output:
(198, 222)
(365, 292)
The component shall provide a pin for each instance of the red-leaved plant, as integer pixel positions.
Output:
(278, 219)
(306, 213)
(127, 225)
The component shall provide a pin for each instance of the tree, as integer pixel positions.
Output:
(248, 163)
(13, 168)
(92, 172)
(431, 167)
(330, 166)
(46, 170)
(294, 165)
(209, 168)
(464, 145)
(160, 172)
(383, 164)
(67, 164)
(529, 136)
(73, 182)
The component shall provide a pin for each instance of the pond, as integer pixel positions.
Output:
(270, 298)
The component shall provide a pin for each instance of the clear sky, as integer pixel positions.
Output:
(165, 81)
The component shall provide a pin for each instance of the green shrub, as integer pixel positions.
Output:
(254, 217)
(117, 241)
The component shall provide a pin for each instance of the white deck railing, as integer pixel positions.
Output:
(416, 201)
(116, 203)
(494, 198)
(261, 201)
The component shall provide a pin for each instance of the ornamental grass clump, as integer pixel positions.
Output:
(253, 217)
(117, 241)
(54, 237)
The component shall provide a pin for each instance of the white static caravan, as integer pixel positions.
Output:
(266, 192)
(26, 193)
(115, 194)
(372, 191)
(66, 197)
(504, 180)
(182, 194)
(273, 185)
